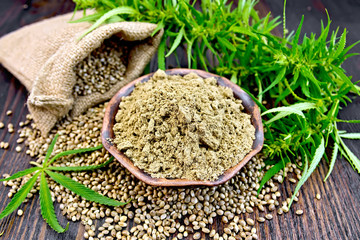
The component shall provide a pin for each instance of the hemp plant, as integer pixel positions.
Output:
(299, 84)
(46, 203)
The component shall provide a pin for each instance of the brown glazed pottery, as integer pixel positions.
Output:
(113, 106)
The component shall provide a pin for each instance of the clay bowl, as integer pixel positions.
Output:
(113, 106)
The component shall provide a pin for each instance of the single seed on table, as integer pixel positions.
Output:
(192, 217)
(8, 112)
(250, 221)
(227, 231)
(261, 219)
(2, 125)
(242, 223)
(18, 149)
(292, 180)
(205, 230)
(197, 235)
(247, 228)
(268, 216)
(20, 212)
(318, 196)
(271, 207)
(6, 145)
(249, 209)
(299, 212)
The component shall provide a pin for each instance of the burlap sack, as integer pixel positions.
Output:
(43, 55)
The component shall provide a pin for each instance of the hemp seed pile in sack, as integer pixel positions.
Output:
(43, 57)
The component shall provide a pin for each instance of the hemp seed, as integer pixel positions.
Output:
(299, 212)
(157, 212)
(20, 212)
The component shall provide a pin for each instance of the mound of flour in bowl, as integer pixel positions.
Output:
(183, 127)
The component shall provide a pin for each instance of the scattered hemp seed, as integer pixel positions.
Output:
(2, 125)
(103, 68)
(318, 196)
(183, 127)
(269, 216)
(20, 212)
(157, 213)
(299, 212)
(18, 149)
(6, 145)
(8, 112)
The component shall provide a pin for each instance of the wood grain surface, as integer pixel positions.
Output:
(335, 216)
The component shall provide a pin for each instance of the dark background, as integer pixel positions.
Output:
(335, 216)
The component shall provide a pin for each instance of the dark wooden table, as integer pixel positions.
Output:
(335, 216)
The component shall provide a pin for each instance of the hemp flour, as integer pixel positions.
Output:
(183, 127)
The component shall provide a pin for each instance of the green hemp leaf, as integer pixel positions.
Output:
(46, 204)
(297, 80)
